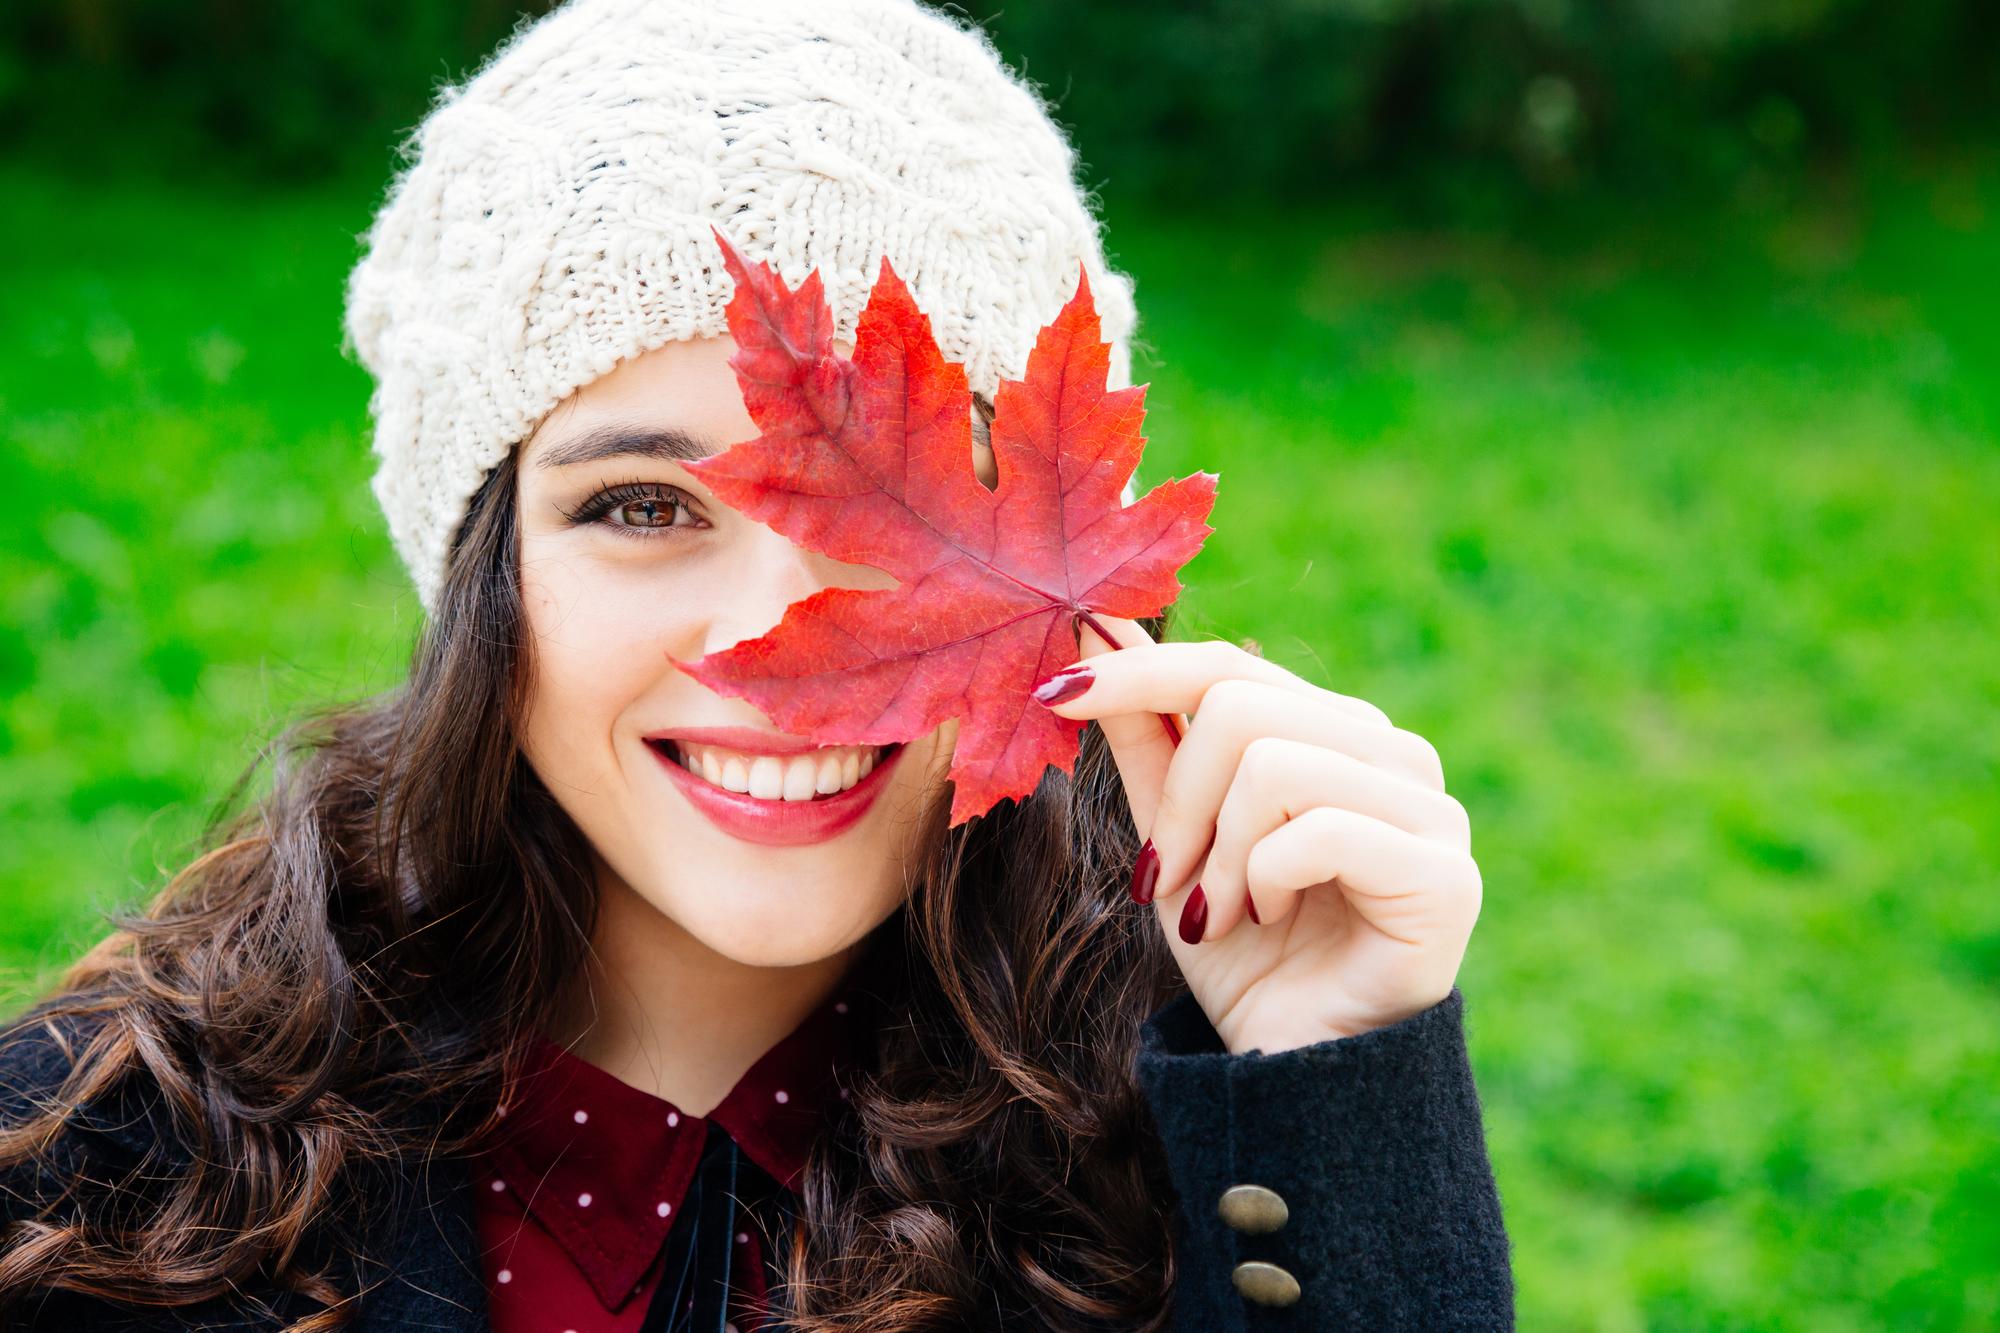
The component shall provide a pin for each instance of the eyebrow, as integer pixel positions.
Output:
(668, 444)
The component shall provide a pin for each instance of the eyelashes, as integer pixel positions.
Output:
(599, 507)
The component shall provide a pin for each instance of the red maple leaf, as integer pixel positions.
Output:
(869, 461)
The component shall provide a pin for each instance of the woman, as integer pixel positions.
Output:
(552, 990)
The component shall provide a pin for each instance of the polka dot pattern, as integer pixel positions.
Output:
(596, 1167)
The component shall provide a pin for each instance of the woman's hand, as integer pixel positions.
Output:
(1289, 805)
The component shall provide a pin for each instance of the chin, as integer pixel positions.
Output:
(767, 905)
(771, 924)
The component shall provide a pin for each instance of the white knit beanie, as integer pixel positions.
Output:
(552, 216)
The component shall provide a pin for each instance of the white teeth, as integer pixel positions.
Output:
(800, 773)
(768, 777)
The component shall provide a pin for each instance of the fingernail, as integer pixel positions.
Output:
(1065, 684)
(1250, 905)
(1145, 873)
(1194, 916)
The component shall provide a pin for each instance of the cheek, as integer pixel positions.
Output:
(593, 655)
(920, 786)
(937, 754)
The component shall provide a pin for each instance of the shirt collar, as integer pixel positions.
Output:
(603, 1166)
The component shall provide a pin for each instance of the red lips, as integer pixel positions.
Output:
(769, 823)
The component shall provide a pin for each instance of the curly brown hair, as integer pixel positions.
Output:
(344, 977)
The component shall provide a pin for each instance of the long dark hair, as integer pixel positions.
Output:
(343, 978)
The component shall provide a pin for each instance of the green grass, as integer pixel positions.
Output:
(1680, 538)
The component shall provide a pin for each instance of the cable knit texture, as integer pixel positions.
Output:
(550, 217)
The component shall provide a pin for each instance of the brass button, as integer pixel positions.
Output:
(1252, 1208)
(1266, 1284)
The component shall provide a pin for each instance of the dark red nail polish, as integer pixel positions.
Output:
(1250, 906)
(1064, 685)
(1194, 916)
(1145, 873)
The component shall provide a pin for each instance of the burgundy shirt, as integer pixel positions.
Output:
(576, 1200)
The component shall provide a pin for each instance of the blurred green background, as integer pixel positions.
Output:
(1610, 391)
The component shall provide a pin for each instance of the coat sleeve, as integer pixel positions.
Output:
(102, 1142)
(32, 1067)
(1375, 1145)
(106, 1147)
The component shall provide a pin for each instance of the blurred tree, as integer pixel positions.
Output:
(1179, 100)
(1294, 98)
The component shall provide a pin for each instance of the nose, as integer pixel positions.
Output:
(774, 573)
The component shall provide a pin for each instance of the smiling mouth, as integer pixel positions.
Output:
(815, 775)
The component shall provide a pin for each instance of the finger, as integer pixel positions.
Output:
(1139, 742)
(1411, 889)
(1279, 779)
(1234, 713)
(1173, 677)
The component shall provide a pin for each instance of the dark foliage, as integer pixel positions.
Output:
(1279, 98)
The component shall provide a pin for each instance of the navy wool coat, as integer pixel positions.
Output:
(1373, 1203)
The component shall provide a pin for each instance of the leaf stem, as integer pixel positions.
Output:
(1167, 720)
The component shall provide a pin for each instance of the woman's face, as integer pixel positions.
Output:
(629, 564)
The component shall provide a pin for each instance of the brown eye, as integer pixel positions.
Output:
(639, 509)
(650, 513)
